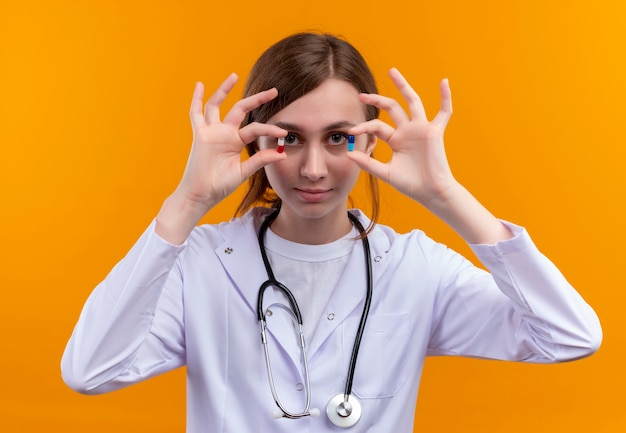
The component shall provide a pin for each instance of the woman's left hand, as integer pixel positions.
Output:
(418, 167)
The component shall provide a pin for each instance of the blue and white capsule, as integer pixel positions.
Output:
(350, 143)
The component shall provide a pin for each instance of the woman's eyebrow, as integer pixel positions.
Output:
(333, 126)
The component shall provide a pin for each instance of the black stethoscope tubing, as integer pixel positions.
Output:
(272, 282)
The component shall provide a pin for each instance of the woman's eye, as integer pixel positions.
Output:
(337, 138)
(291, 139)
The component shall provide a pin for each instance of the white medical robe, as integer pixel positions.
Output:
(165, 306)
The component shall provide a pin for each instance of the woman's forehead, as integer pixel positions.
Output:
(334, 104)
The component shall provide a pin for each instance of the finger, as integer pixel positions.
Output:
(377, 127)
(212, 108)
(371, 165)
(416, 108)
(445, 111)
(390, 105)
(259, 160)
(251, 132)
(236, 114)
(195, 112)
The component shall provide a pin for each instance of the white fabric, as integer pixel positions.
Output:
(310, 272)
(164, 306)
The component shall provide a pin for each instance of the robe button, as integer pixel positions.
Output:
(299, 387)
(331, 316)
(228, 250)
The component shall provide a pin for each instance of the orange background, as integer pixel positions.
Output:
(94, 135)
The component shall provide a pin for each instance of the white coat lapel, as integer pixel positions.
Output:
(241, 258)
(352, 286)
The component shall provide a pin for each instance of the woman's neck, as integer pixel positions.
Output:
(312, 231)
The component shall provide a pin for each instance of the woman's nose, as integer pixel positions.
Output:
(314, 164)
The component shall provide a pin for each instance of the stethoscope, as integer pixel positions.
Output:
(343, 410)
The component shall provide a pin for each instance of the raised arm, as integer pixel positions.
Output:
(214, 168)
(541, 318)
(419, 167)
(131, 327)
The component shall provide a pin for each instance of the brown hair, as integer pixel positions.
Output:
(297, 65)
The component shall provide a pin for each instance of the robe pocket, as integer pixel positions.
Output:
(381, 367)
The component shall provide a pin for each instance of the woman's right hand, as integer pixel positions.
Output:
(214, 168)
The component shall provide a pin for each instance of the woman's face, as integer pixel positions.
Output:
(315, 179)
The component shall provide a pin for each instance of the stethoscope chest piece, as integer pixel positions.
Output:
(343, 413)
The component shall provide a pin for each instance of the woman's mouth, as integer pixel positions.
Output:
(312, 195)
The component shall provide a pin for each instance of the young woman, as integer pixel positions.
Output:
(373, 303)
